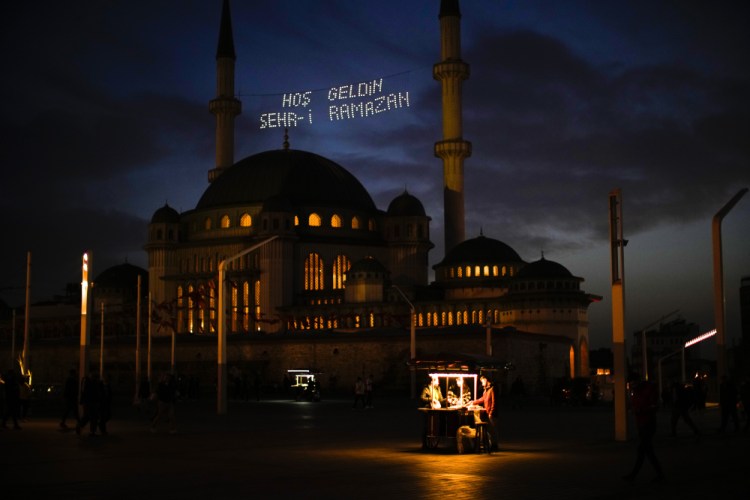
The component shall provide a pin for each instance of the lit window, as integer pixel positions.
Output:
(477, 271)
(246, 220)
(207, 223)
(313, 272)
(296, 220)
(340, 266)
(225, 222)
(335, 221)
(468, 271)
(486, 270)
(245, 306)
(355, 223)
(494, 271)
(313, 220)
(257, 298)
(460, 272)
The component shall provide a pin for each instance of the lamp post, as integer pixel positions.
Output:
(644, 354)
(719, 281)
(412, 341)
(221, 380)
(617, 257)
(83, 353)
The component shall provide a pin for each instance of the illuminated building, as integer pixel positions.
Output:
(336, 256)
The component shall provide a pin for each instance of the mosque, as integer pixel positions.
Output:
(307, 252)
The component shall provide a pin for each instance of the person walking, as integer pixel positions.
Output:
(359, 392)
(91, 398)
(368, 391)
(70, 399)
(684, 400)
(12, 399)
(644, 403)
(728, 403)
(488, 402)
(166, 394)
(105, 407)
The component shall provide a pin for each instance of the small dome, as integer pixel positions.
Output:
(165, 215)
(406, 204)
(480, 250)
(543, 268)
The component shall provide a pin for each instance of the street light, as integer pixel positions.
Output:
(644, 354)
(412, 341)
(221, 382)
(699, 338)
(719, 281)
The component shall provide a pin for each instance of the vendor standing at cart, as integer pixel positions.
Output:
(488, 402)
(432, 396)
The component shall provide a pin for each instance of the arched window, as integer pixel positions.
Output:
(355, 222)
(468, 271)
(460, 272)
(313, 220)
(225, 221)
(340, 266)
(246, 220)
(494, 271)
(296, 220)
(207, 223)
(335, 221)
(371, 224)
(486, 270)
(256, 287)
(314, 272)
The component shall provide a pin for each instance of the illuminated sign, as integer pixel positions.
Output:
(344, 102)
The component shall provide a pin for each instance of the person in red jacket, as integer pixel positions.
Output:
(488, 401)
(644, 403)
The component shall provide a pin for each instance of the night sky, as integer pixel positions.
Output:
(105, 119)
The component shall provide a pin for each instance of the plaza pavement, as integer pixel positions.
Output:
(326, 450)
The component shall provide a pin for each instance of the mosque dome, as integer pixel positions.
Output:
(543, 268)
(480, 250)
(368, 265)
(406, 205)
(121, 277)
(300, 177)
(165, 215)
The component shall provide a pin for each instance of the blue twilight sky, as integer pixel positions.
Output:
(105, 118)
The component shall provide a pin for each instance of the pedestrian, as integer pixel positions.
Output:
(359, 392)
(368, 391)
(105, 407)
(166, 394)
(91, 398)
(684, 400)
(644, 403)
(728, 403)
(488, 402)
(12, 398)
(70, 399)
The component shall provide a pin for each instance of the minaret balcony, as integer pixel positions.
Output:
(450, 69)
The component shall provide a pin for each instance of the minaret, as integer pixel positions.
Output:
(225, 106)
(451, 71)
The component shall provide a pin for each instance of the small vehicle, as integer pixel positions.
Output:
(305, 386)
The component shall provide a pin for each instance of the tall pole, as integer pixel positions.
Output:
(412, 341)
(617, 244)
(25, 355)
(221, 355)
(148, 348)
(83, 353)
(719, 316)
(137, 338)
(101, 345)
